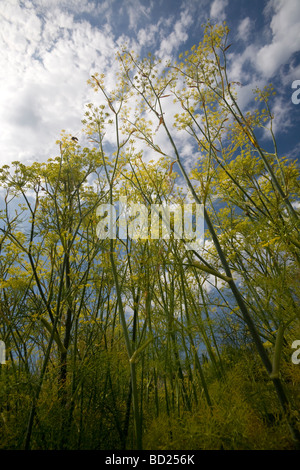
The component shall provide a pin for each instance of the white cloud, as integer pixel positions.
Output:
(74, 6)
(217, 10)
(136, 12)
(238, 64)
(178, 36)
(296, 205)
(283, 116)
(241, 70)
(148, 36)
(49, 48)
(285, 27)
(257, 64)
(244, 29)
(45, 62)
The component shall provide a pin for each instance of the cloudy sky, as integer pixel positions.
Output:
(49, 49)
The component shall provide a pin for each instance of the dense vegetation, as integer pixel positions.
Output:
(140, 342)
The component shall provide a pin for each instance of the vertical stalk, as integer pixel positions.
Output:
(135, 404)
(283, 400)
(45, 364)
(196, 358)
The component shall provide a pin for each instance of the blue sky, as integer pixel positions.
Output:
(49, 49)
